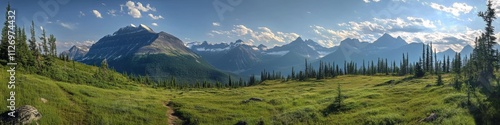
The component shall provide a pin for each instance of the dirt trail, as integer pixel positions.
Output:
(172, 119)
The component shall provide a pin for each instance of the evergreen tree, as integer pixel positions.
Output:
(439, 81)
(52, 44)
(33, 44)
(423, 62)
(229, 83)
(419, 71)
(43, 38)
(22, 51)
(5, 36)
(339, 99)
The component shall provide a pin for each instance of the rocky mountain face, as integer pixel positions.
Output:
(77, 52)
(141, 51)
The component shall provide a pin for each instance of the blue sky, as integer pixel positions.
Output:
(448, 23)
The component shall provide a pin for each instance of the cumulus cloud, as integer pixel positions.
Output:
(442, 40)
(135, 10)
(368, 1)
(496, 5)
(260, 34)
(241, 30)
(215, 24)
(369, 30)
(97, 13)
(155, 17)
(411, 29)
(154, 24)
(456, 9)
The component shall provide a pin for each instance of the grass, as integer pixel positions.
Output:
(72, 103)
(294, 102)
(368, 100)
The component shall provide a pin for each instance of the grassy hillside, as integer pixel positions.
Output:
(86, 102)
(368, 100)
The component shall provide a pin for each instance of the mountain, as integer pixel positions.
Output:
(348, 50)
(449, 52)
(387, 41)
(141, 51)
(385, 47)
(466, 51)
(234, 57)
(77, 52)
(302, 48)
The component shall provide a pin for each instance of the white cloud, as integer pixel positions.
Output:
(241, 30)
(456, 9)
(135, 10)
(154, 24)
(412, 27)
(368, 1)
(97, 13)
(215, 24)
(155, 17)
(81, 14)
(441, 40)
(112, 12)
(68, 25)
(261, 35)
(421, 22)
(496, 5)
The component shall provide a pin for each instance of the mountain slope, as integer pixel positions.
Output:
(234, 57)
(141, 51)
(77, 52)
(82, 101)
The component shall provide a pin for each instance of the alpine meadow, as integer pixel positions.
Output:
(239, 62)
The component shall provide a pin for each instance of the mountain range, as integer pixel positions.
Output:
(141, 51)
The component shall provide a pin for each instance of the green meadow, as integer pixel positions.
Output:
(367, 100)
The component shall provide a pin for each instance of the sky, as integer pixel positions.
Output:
(447, 23)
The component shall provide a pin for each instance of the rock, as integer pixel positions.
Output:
(44, 100)
(256, 99)
(26, 114)
(241, 123)
(431, 117)
(252, 99)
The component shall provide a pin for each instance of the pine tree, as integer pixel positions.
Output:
(33, 44)
(43, 38)
(23, 53)
(487, 40)
(439, 81)
(423, 62)
(229, 83)
(339, 99)
(427, 60)
(5, 36)
(448, 64)
(419, 71)
(52, 44)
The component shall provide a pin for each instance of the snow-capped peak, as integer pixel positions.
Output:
(133, 25)
(146, 27)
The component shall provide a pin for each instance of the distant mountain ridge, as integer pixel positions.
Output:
(76, 52)
(281, 58)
